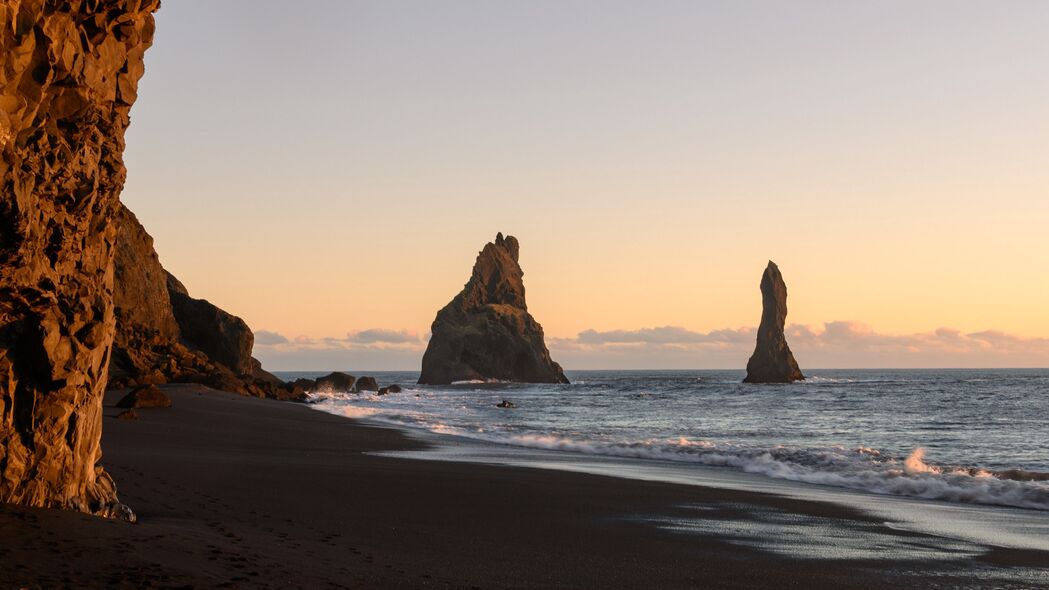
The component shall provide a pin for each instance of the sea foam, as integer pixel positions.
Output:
(914, 434)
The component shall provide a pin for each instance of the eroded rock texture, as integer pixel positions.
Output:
(165, 335)
(486, 332)
(68, 76)
(772, 361)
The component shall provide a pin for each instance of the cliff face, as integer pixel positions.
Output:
(486, 332)
(145, 324)
(68, 76)
(772, 361)
(223, 337)
(165, 335)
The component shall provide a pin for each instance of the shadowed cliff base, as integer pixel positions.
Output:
(772, 361)
(69, 75)
(486, 332)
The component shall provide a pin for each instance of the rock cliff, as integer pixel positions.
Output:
(486, 332)
(69, 72)
(165, 335)
(772, 361)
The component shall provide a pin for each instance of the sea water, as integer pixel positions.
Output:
(960, 436)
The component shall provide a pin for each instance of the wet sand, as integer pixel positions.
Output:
(233, 492)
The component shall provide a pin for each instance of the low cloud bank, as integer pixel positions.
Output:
(376, 349)
(839, 344)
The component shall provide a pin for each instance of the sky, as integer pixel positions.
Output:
(328, 171)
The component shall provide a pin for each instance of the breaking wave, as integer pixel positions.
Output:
(808, 433)
(863, 469)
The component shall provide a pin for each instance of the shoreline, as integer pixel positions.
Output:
(239, 492)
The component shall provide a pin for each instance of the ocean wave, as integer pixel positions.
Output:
(859, 469)
(479, 382)
(862, 468)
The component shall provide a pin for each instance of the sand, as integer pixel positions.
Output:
(233, 492)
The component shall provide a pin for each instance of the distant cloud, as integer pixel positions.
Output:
(381, 335)
(837, 344)
(375, 349)
(265, 338)
(664, 335)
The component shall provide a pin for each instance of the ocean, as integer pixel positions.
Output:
(960, 436)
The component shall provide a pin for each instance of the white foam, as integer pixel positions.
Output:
(478, 381)
(859, 469)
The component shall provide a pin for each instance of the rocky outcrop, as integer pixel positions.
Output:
(146, 345)
(222, 336)
(145, 396)
(335, 382)
(772, 361)
(486, 332)
(366, 384)
(165, 335)
(69, 71)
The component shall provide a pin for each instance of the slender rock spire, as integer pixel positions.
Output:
(772, 361)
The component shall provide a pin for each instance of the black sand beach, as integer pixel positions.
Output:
(237, 492)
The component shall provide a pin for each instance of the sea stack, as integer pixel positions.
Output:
(486, 332)
(772, 361)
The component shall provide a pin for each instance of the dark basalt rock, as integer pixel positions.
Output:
(222, 336)
(772, 361)
(163, 335)
(506, 404)
(290, 393)
(68, 77)
(305, 384)
(366, 384)
(335, 383)
(390, 389)
(145, 396)
(486, 332)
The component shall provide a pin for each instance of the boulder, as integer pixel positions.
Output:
(306, 385)
(772, 361)
(335, 383)
(366, 384)
(68, 78)
(145, 396)
(506, 404)
(390, 389)
(222, 336)
(486, 332)
(290, 392)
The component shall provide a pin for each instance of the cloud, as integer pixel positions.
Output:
(837, 344)
(381, 335)
(266, 338)
(664, 335)
(375, 349)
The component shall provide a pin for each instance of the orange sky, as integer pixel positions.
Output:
(324, 176)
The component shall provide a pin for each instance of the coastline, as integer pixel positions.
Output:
(239, 492)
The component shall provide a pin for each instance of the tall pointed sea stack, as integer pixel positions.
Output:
(486, 332)
(69, 73)
(772, 361)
